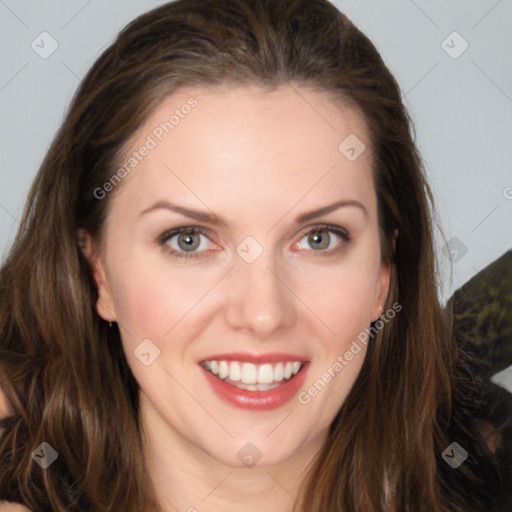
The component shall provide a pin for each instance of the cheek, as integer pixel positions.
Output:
(152, 295)
(344, 305)
(342, 297)
(150, 300)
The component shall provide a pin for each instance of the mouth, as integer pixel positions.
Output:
(253, 377)
(250, 385)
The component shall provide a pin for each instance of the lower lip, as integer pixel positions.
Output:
(257, 400)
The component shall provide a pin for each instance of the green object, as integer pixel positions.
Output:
(482, 320)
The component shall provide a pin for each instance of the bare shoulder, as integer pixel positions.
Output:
(6, 506)
(5, 410)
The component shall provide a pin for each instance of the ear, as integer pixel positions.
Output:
(383, 284)
(105, 303)
(381, 291)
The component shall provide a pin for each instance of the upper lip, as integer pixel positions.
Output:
(247, 357)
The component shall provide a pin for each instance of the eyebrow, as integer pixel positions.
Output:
(212, 218)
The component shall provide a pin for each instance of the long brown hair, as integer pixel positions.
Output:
(64, 371)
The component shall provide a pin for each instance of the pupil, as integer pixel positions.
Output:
(319, 240)
(188, 241)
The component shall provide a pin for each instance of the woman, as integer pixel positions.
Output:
(222, 294)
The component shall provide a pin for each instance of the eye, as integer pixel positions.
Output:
(322, 239)
(185, 242)
(192, 242)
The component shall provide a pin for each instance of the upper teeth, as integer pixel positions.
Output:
(249, 373)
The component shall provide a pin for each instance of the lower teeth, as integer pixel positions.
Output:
(254, 387)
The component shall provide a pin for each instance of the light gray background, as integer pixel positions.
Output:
(462, 107)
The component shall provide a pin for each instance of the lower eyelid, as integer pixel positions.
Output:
(339, 232)
(166, 238)
(343, 235)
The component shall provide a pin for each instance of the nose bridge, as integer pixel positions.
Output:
(259, 300)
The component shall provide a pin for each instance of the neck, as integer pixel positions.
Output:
(187, 478)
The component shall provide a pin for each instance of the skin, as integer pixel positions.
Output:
(258, 159)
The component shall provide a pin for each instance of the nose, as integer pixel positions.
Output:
(260, 301)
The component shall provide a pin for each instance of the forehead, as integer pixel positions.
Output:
(243, 146)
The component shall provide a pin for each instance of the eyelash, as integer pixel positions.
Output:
(340, 232)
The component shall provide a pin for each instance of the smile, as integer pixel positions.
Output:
(250, 382)
(251, 376)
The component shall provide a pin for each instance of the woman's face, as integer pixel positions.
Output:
(257, 286)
